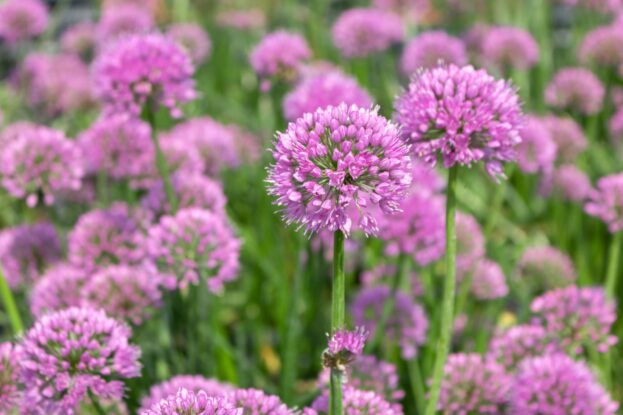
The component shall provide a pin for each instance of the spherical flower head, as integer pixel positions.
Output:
(344, 347)
(463, 115)
(38, 163)
(13, 131)
(571, 183)
(187, 402)
(195, 245)
(356, 401)
(9, 393)
(22, 19)
(280, 54)
(537, 150)
(568, 136)
(123, 20)
(427, 50)
(146, 69)
(71, 353)
(338, 164)
(603, 46)
(543, 268)
(104, 237)
(60, 287)
(470, 242)
(554, 384)
(473, 384)
(323, 90)
(577, 317)
(606, 201)
(194, 39)
(407, 326)
(26, 250)
(488, 281)
(256, 402)
(80, 39)
(247, 143)
(577, 90)
(508, 47)
(361, 32)
(192, 383)
(511, 346)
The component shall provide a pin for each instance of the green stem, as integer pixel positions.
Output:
(417, 385)
(9, 304)
(102, 188)
(96, 405)
(161, 162)
(337, 317)
(447, 310)
(613, 264)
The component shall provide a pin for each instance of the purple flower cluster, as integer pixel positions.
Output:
(280, 54)
(571, 183)
(350, 342)
(568, 136)
(537, 151)
(338, 164)
(429, 49)
(9, 393)
(22, 19)
(59, 287)
(356, 401)
(80, 39)
(187, 402)
(508, 47)
(543, 268)
(462, 114)
(123, 20)
(254, 401)
(603, 46)
(193, 38)
(606, 201)
(488, 281)
(575, 89)
(192, 383)
(510, 347)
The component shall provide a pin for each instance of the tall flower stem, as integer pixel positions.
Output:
(96, 405)
(337, 317)
(447, 308)
(9, 305)
(613, 264)
(161, 162)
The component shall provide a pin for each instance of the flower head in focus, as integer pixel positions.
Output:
(255, 401)
(356, 401)
(187, 402)
(344, 347)
(192, 383)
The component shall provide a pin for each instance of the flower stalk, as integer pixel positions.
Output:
(9, 305)
(337, 317)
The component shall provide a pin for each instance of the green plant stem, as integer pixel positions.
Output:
(417, 385)
(161, 162)
(337, 317)
(96, 405)
(613, 264)
(447, 310)
(9, 305)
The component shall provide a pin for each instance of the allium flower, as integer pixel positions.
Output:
(556, 385)
(544, 267)
(537, 150)
(509, 47)
(71, 353)
(187, 402)
(256, 402)
(247, 144)
(280, 55)
(361, 32)
(323, 90)
(80, 39)
(488, 281)
(577, 317)
(193, 38)
(356, 401)
(123, 20)
(192, 383)
(344, 347)
(22, 20)
(462, 114)
(9, 393)
(572, 183)
(26, 250)
(606, 202)
(510, 347)
(568, 136)
(474, 39)
(106, 237)
(339, 164)
(470, 242)
(575, 89)
(243, 19)
(603, 46)
(60, 287)
(427, 50)
(407, 325)
(13, 131)
(473, 384)
(195, 245)
(144, 69)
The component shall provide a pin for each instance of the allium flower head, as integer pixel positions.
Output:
(247, 143)
(186, 402)
(554, 384)
(338, 164)
(146, 69)
(572, 183)
(606, 201)
(461, 114)
(9, 393)
(407, 325)
(195, 245)
(348, 341)
(511, 346)
(427, 50)
(575, 89)
(473, 384)
(59, 287)
(603, 46)
(322, 90)
(543, 268)
(537, 150)
(508, 47)
(470, 242)
(577, 317)
(193, 38)
(568, 136)
(256, 402)
(280, 54)
(123, 20)
(80, 39)
(192, 383)
(70, 353)
(22, 19)
(361, 32)
(488, 281)
(26, 250)
(355, 402)
(39, 163)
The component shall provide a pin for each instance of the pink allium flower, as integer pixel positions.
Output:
(254, 401)
(572, 183)
(543, 268)
(80, 39)
(351, 342)
(336, 164)
(187, 402)
(243, 19)
(575, 89)
(9, 393)
(60, 287)
(537, 150)
(193, 38)
(473, 384)
(13, 131)
(508, 47)
(247, 144)
(356, 401)
(22, 19)
(26, 250)
(192, 383)
(568, 136)
(323, 90)
(556, 385)
(71, 353)
(361, 32)
(488, 281)
(606, 201)
(123, 20)
(407, 325)
(577, 317)
(144, 69)
(474, 39)
(603, 46)
(106, 237)
(427, 50)
(280, 54)
(195, 246)
(511, 346)
(462, 114)
(470, 242)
